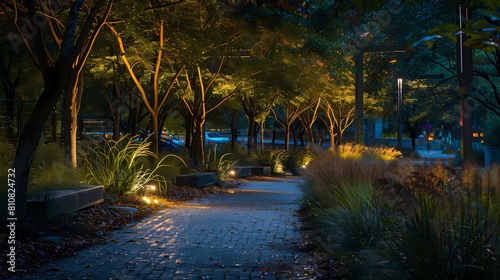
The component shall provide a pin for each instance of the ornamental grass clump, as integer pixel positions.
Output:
(449, 226)
(217, 164)
(297, 159)
(383, 153)
(274, 158)
(328, 173)
(433, 222)
(122, 166)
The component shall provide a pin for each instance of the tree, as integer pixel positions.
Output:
(233, 115)
(256, 106)
(60, 69)
(482, 37)
(155, 105)
(200, 100)
(285, 115)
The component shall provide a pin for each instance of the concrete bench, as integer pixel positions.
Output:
(239, 172)
(52, 203)
(196, 180)
(261, 170)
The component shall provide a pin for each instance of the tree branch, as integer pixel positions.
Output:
(161, 7)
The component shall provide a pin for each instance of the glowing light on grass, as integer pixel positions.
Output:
(146, 199)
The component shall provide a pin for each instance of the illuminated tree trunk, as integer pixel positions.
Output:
(73, 99)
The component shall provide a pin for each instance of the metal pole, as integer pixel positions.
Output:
(400, 114)
(464, 75)
(359, 116)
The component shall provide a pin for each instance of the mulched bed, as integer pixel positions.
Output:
(84, 228)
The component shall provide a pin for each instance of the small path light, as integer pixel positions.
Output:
(151, 188)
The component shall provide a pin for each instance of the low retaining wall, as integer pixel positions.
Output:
(52, 203)
(196, 180)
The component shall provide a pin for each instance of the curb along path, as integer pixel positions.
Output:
(248, 234)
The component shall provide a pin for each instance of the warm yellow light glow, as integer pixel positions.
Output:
(475, 134)
(481, 134)
(156, 201)
(146, 199)
(431, 138)
(232, 172)
(303, 166)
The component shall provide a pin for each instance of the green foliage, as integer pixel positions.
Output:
(492, 131)
(361, 219)
(274, 158)
(434, 223)
(174, 163)
(218, 164)
(49, 167)
(297, 159)
(466, 247)
(122, 166)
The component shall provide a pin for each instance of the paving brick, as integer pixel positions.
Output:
(224, 236)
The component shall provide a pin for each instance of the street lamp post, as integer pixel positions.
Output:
(464, 75)
(400, 114)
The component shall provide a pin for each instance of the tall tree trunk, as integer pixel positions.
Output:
(31, 135)
(197, 147)
(74, 90)
(294, 135)
(255, 134)
(332, 139)
(116, 111)
(274, 133)
(311, 138)
(287, 137)
(251, 133)
(339, 136)
(153, 137)
(262, 128)
(413, 133)
(234, 131)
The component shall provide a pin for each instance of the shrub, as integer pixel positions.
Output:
(220, 165)
(492, 131)
(450, 230)
(433, 223)
(349, 151)
(274, 158)
(49, 167)
(361, 219)
(383, 153)
(121, 166)
(355, 151)
(297, 159)
(328, 172)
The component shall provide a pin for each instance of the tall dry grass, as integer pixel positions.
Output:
(432, 222)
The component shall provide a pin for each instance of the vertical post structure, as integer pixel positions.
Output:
(359, 115)
(400, 114)
(464, 75)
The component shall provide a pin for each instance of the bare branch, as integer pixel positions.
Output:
(161, 7)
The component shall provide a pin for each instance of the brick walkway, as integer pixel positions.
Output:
(249, 234)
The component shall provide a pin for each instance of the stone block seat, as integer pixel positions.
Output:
(51, 203)
(196, 180)
(239, 172)
(261, 170)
